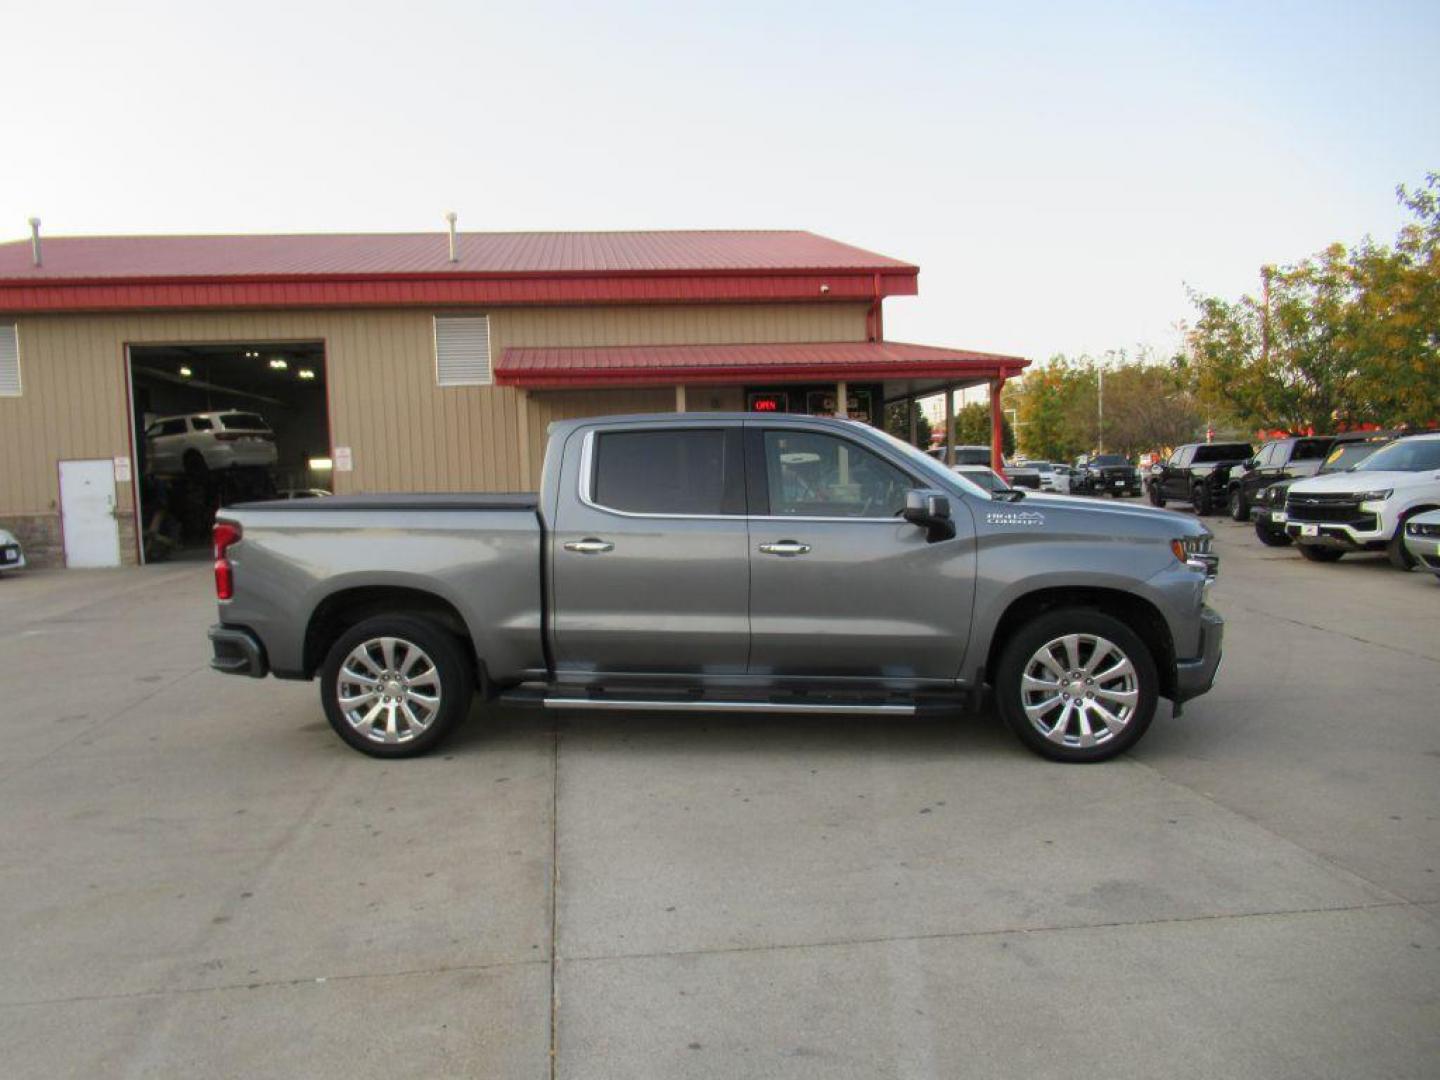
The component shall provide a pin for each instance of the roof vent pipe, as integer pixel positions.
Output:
(34, 241)
(454, 254)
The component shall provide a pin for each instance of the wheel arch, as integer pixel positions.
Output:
(344, 608)
(1136, 612)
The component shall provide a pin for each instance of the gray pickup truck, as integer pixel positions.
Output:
(717, 562)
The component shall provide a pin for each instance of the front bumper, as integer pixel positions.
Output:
(237, 651)
(1325, 534)
(1195, 677)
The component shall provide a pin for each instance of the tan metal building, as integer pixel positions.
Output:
(434, 363)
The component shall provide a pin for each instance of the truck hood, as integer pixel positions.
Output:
(1113, 516)
(1348, 482)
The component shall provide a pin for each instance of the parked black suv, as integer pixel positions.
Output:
(1348, 451)
(1199, 472)
(1105, 474)
(1282, 459)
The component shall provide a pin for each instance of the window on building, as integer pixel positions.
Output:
(9, 361)
(665, 472)
(813, 475)
(462, 350)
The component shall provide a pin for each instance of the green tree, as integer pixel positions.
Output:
(897, 423)
(972, 428)
(1345, 336)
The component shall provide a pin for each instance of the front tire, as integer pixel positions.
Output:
(1077, 685)
(396, 685)
(1239, 510)
(1397, 553)
(1269, 537)
(1315, 553)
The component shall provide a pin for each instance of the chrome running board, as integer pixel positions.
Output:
(613, 704)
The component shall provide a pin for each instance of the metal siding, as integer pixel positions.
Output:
(406, 432)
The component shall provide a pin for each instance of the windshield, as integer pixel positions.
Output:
(985, 478)
(1348, 455)
(1404, 455)
(927, 466)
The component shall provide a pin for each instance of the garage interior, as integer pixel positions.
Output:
(284, 384)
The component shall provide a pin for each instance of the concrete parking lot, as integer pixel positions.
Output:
(200, 879)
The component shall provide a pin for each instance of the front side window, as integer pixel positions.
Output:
(815, 475)
(202, 423)
(666, 472)
(1310, 450)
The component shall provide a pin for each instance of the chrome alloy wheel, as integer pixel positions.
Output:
(1079, 690)
(388, 690)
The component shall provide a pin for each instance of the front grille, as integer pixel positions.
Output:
(1432, 560)
(1329, 510)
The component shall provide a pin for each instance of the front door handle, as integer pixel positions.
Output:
(786, 548)
(589, 546)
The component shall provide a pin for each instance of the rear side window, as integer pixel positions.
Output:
(244, 421)
(202, 423)
(669, 472)
(1311, 450)
(1222, 452)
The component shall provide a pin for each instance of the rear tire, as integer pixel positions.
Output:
(1057, 730)
(1157, 498)
(1200, 500)
(396, 685)
(1315, 553)
(1239, 509)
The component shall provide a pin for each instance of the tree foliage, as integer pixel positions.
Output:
(972, 428)
(1347, 336)
(1147, 406)
(897, 423)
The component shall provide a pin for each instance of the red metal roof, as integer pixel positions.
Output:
(635, 365)
(109, 273)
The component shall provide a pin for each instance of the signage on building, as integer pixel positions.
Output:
(769, 402)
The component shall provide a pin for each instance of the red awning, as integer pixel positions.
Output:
(661, 365)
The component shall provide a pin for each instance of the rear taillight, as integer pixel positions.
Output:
(225, 534)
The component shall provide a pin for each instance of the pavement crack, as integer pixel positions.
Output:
(554, 900)
(267, 984)
(1007, 931)
(1331, 630)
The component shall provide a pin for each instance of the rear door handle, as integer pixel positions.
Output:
(589, 546)
(786, 548)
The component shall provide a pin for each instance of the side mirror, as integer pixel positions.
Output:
(930, 510)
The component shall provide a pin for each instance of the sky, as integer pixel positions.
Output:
(1062, 173)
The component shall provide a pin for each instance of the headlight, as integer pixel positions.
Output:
(1422, 528)
(1375, 496)
(1195, 552)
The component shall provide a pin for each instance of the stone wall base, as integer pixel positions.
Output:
(41, 538)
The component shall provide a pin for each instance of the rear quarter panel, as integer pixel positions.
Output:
(486, 564)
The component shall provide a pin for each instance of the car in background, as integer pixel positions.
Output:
(1197, 472)
(983, 477)
(1422, 540)
(1281, 459)
(1268, 509)
(302, 493)
(12, 555)
(1366, 508)
(1105, 474)
(201, 443)
(1024, 476)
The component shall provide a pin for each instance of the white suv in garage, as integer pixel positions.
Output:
(1365, 508)
(208, 441)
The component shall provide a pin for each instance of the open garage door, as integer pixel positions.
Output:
(216, 425)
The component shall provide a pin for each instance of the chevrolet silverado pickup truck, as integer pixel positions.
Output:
(718, 562)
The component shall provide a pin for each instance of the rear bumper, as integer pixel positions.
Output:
(237, 651)
(1195, 677)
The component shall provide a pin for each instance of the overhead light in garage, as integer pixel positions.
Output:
(185, 371)
(306, 373)
(279, 363)
(321, 464)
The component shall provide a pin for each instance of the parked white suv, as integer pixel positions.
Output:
(1365, 508)
(208, 441)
